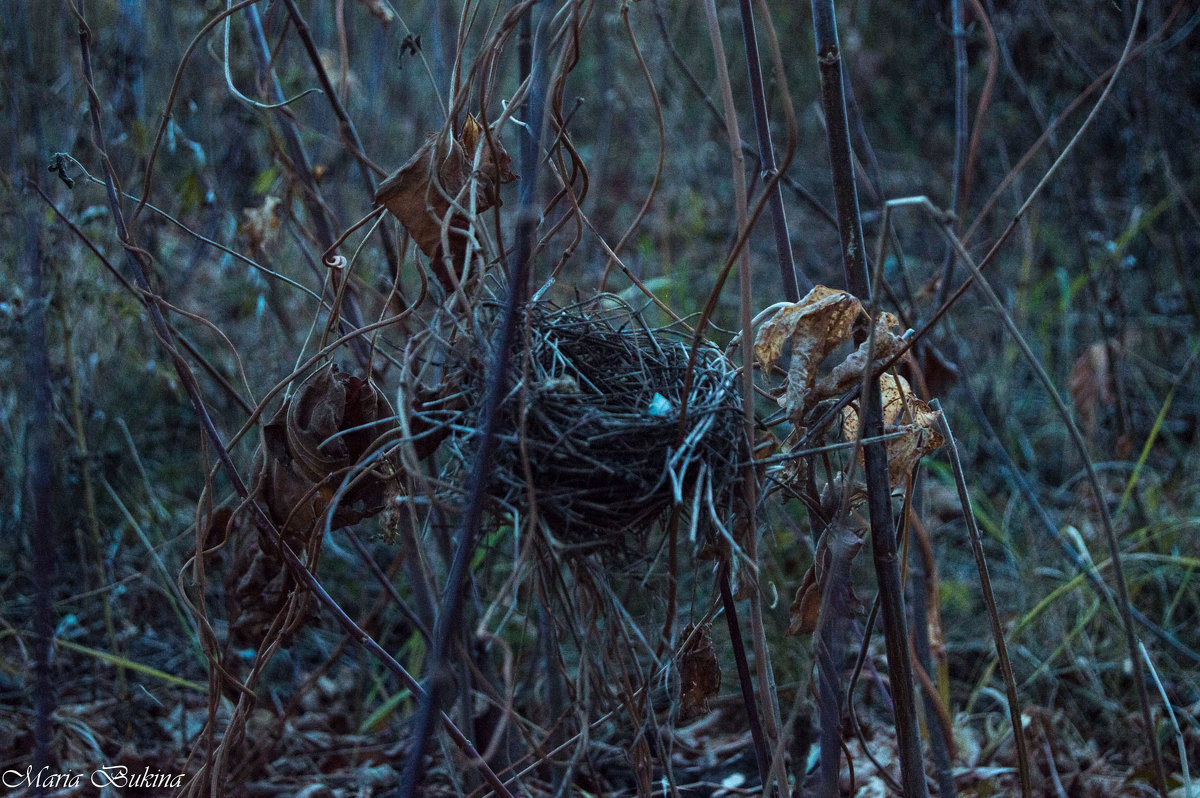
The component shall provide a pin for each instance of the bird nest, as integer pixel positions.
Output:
(611, 424)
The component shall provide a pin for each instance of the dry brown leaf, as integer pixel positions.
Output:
(262, 223)
(310, 445)
(806, 607)
(850, 371)
(902, 412)
(793, 471)
(816, 325)
(380, 10)
(699, 671)
(1091, 384)
(420, 192)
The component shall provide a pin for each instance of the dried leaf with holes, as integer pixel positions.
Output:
(437, 193)
(903, 413)
(319, 437)
(819, 323)
(699, 671)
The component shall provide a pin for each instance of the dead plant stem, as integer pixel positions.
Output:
(750, 485)
(989, 599)
(1110, 535)
(766, 157)
(883, 537)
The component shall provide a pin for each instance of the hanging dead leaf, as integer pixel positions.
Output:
(903, 413)
(807, 605)
(793, 471)
(312, 443)
(699, 671)
(257, 589)
(835, 551)
(850, 371)
(816, 325)
(438, 190)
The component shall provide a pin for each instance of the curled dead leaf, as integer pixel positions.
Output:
(439, 190)
(835, 551)
(816, 325)
(849, 372)
(313, 442)
(806, 606)
(903, 413)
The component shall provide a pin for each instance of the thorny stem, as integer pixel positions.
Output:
(883, 539)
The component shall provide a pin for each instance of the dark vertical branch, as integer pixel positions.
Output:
(481, 466)
(883, 537)
(829, 60)
(783, 242)
(830, 635)
(743, 669)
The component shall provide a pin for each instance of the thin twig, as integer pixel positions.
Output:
(749, 481)
(446, 629)
(989, 599)
(766, 149)
(346, 130)
(1114, 545)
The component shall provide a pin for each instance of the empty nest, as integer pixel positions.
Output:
(592, 435)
